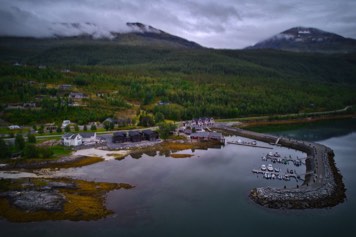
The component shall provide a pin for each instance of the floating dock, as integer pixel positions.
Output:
(250, 145)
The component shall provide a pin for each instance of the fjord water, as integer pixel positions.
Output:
(207, 195)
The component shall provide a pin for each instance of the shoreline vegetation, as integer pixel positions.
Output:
(38, 199)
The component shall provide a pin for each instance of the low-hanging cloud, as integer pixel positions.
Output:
(222, 24)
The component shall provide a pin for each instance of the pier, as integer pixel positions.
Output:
(322, 186)
(250, 145)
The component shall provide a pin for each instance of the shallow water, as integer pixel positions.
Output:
(208, 194)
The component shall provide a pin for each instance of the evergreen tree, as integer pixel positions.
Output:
(41, 129)
(85, 128)
(46, 152)
(59, 129)
(165, 129)
(19, 142)
(159, 117)
(31, 138)
(67, 128)
(31, 151)
(5, 150)
(93, 127)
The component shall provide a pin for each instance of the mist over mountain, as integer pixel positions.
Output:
(305, 39)
(134, 34)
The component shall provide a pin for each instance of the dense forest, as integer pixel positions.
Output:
(125, 81)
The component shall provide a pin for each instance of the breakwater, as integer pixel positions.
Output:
(322, 187)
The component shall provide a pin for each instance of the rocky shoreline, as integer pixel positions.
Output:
(323, 185)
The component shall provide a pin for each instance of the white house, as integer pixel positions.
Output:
(65, 123)
(12, 127)
(70, 139)
(88, 137)
(77, 95)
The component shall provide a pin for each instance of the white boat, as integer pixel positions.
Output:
(276, 154)
(270, 168)
(273, 176)
(254, 143)
(263, 167)
(266, 175)
(264, 158)
(239, 141)
(270, 154)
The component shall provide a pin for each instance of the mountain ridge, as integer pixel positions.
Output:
(307, 39)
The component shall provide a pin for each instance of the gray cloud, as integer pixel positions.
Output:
(219, 24)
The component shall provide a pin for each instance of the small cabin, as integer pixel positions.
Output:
(135, 136)
(119, 137)
(150, 135)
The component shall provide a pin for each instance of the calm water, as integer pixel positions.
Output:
(208, 194)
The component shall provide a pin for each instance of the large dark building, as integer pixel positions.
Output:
(119, 137)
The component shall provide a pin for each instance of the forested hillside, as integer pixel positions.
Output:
(179, 83)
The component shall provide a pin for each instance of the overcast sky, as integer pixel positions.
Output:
(211, 23)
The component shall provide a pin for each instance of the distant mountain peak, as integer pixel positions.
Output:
(307, 39)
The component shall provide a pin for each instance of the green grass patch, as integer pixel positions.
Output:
(59, 151)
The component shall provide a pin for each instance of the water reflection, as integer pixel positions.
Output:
(317, 131)
(206, 195)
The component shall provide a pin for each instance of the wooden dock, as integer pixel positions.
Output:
(250, 145)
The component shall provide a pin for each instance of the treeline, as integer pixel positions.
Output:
(22, 148)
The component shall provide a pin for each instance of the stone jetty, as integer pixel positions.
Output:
(322, 187)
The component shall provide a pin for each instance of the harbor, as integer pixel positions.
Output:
(321, 186)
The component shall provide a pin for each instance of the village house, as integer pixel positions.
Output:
(29, 105)
(110, 120)
(150, 135)
(119, 137)
(135, 136)
(70, 139)
(12, 127)
(65, 87)
(89, 137)
(65, 123)
(50, 127)
(199, 123)
(77, 95)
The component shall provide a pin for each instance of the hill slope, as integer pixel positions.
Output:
(303, 39)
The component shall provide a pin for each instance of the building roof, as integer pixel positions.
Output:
(87, 134)
(70, 135)
(134, 133)
(149, 132)
(119, 134)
